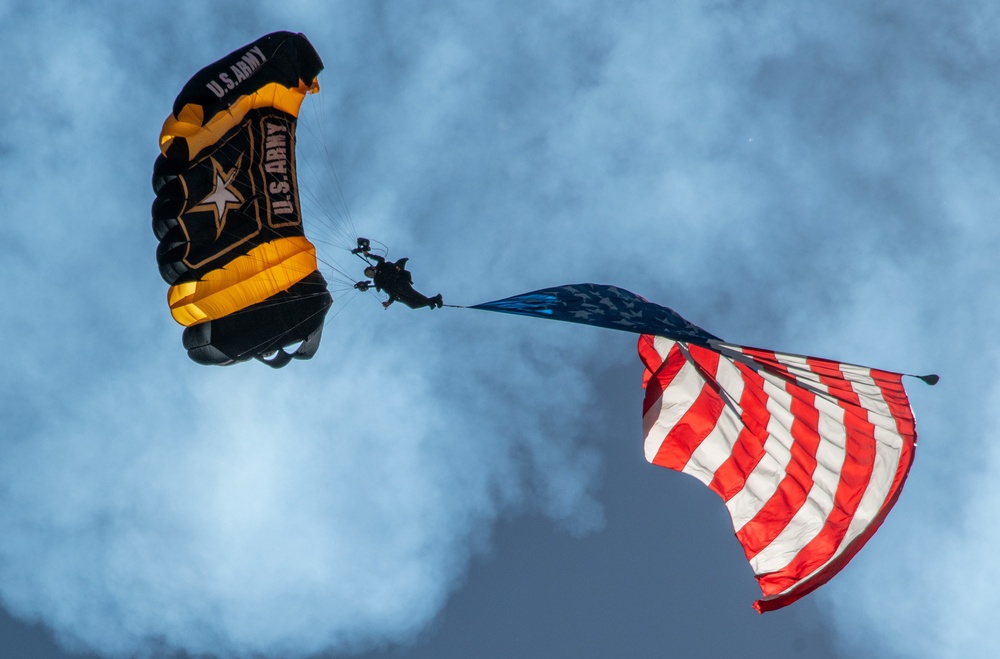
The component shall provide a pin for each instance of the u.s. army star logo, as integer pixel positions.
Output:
(223, 196)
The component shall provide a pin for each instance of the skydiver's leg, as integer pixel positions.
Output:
(411, 298)
(416, 301)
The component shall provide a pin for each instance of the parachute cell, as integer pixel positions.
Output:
(243, 276)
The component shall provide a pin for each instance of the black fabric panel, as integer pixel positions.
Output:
(282, 320)
(288, 58)
(260, 200)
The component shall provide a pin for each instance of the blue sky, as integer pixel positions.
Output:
(813, 178)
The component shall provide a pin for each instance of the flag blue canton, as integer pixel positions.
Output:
(601, 305)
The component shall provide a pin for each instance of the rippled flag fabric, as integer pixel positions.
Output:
(808, 454)
(601, 305)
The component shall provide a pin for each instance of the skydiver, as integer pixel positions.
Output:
(393, 279)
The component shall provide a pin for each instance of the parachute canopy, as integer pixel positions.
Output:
(243, 276)
(808, 454)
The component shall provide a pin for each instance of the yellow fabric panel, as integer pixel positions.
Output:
(190, 122)
(246, 280)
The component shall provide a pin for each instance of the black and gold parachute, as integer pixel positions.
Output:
(243, 277)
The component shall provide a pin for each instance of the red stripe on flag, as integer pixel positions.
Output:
(748, 449)
(650, 357)
(660, 379)
(794, 488)
(855, 475)
(891, 386)
(804, 378)
(694, 426)
(807, 586)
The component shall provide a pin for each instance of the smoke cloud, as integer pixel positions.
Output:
(812, 179)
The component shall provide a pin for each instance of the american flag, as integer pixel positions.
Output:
(808, 454)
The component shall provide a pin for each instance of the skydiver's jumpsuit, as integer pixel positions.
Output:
(394, 279)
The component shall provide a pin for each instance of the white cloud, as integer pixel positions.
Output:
(145, 500)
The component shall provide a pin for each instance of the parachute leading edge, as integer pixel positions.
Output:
(243, 276)
(808, 454)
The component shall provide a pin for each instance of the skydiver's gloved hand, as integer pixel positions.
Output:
(363, 286)
(364, 246)
(385, 305)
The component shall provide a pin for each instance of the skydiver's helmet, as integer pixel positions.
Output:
(370, 272)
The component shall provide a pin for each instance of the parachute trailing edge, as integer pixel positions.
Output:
(243, 276)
